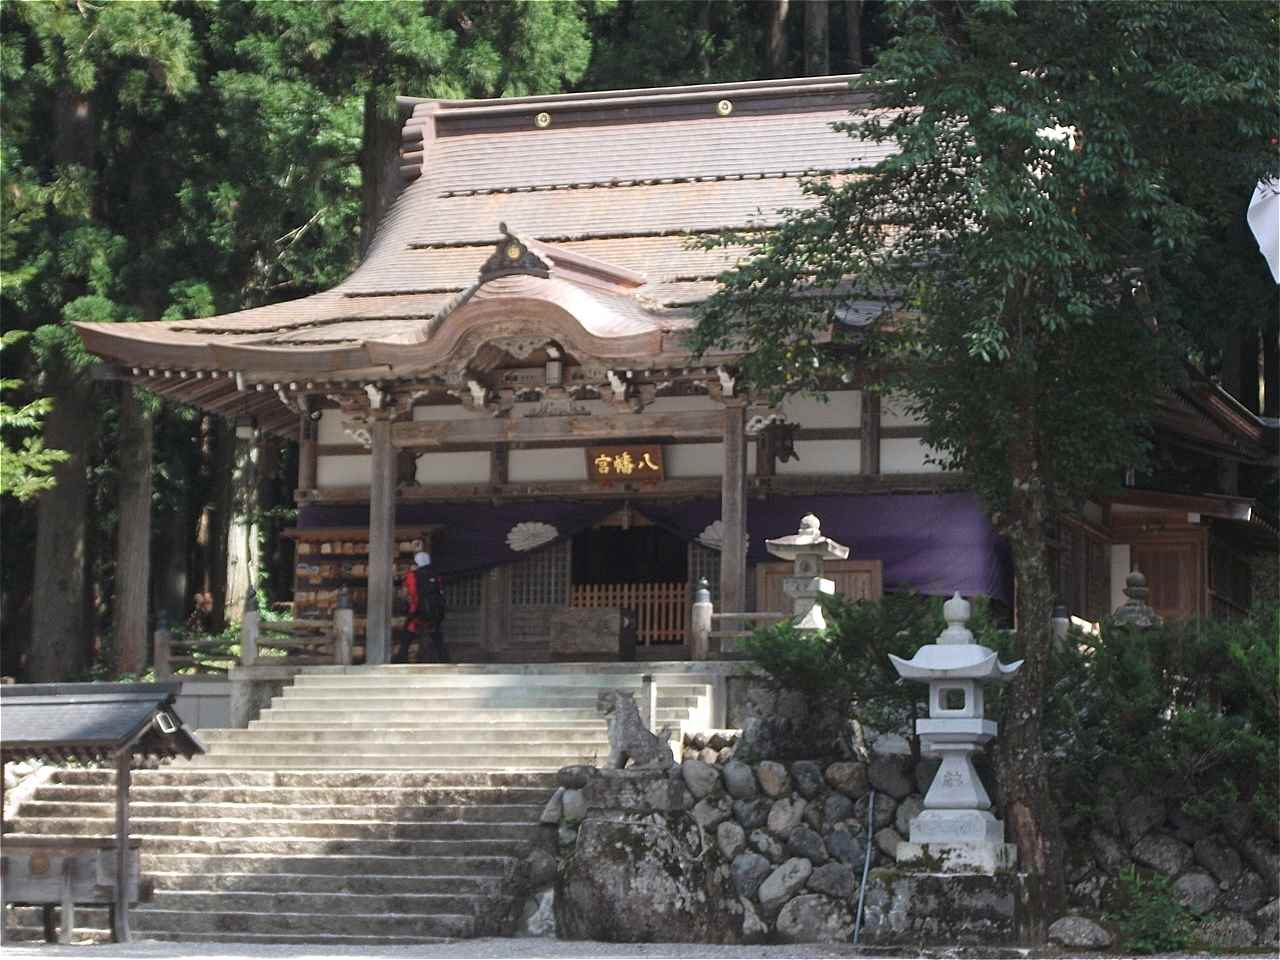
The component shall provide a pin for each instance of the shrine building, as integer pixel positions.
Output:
(506, 379)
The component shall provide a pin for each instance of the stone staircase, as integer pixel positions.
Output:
(380, 805)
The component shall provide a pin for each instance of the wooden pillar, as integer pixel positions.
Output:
(308, 451)
(382, 522)
(120, 903)
(733, 510)
(870, 453)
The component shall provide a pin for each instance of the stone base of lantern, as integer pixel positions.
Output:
(958, 841)
(906, 908)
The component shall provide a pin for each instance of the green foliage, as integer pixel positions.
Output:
(1187, 710)
(849, 661)
(27, 468)
(1146, 916)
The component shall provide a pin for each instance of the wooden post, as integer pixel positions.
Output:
(68, 901)
(733, 509)
(344, 629)
(308, 451)
(120, 905)
(870, 452)
(700, 622)
(163, 639)
(382, 520)
(249, 631)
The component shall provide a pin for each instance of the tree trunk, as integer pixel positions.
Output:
(61, 635)
(776, 52)
(1024, 770)
(1271, 374)
(217, 445)
(853, 35)
(242, 531)
(817, 60)
(380, 181)
(133, 536)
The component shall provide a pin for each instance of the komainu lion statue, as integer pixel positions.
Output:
(629, 739)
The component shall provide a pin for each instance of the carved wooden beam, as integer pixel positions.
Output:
(678, 426)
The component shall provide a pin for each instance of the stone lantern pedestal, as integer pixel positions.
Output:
(956, 832)
(808, 549)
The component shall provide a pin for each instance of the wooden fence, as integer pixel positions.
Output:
(662, 609)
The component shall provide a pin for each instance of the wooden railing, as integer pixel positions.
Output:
(261, 643)
(704, 641)
(661, 608)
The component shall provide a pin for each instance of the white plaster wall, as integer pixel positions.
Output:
(842, 409)
(556, 463)
(893, 415)
(331, 424)
(824, 457)
(696, 459)
(344, 471)
(905, 455)
(463, 466)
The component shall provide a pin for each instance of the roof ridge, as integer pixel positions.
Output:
(794, 85)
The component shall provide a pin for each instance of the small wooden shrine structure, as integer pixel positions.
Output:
(110, 723)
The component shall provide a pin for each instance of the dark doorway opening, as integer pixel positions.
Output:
(641, 554)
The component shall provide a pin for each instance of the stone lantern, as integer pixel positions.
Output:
(1135, 612)
(956, 832)
(808, 549)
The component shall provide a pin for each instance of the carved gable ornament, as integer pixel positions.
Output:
(512, 256)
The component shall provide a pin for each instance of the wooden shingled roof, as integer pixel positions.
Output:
(625, 180)
(92, 721)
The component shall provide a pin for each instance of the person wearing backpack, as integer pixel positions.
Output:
(426, 613)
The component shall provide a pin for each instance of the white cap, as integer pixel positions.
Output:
(421, 559)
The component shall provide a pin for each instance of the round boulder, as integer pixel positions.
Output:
(834, 879)
(766, 844)
(908, 810)
(740, 781)
(1080, 932)
(848, 777)
(576, 776)
(1162, 852)
(731, 839)
(890, 774)
(773, 778)
(846, 847)
(748, 871)
(1219, 859)
(782, 884)
(785, 815)
(752, 814)
(710, 812)
(814, 918)
(1196, 891)
(807, 777)
(702, 779)
(803, 842)
(837, 807)
(1229, 932)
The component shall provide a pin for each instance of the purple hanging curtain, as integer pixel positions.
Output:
(930, 543)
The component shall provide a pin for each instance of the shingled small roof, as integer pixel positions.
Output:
(92, 721)
(611, 191)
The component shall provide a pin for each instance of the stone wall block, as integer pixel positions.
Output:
(834, 879)
(1159, 851)
(886, 807)
(754, 930)
(890, 774)
(740, 781)
(966, 910)
(773, 779)
(1109, 852)
(785, 815)
(766, 844)
(731, 839)
(925, 770)
(847, 847)
(835, 808)
(748, 871)
(1268, 923)
(576, 776)
(814, 918)
(807, 843)
(806, 776)
(887, 841)
(783, 884)
(1141, 815)
(702, 779)
(1220, 859)
(849, 777)
(1264, 858)
(710, 812)
(1196, 891)
(1247, 894)
(1227, 933)
(1081, 933)
(752, 814)
(573, 804)
(908, 810)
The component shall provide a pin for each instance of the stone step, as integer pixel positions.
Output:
(508, 681)
(30, 929)
(515, 733)
(335, 866)
(371, 739)
(304, 883)
(198, 825)
(401, 798)
(395, 698)
(184, 775)
(324, 904)
(410, 751)
(427, 717)
(559, 669)
(146, 810)
(264, 846)
(353, 762)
